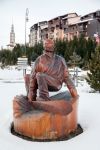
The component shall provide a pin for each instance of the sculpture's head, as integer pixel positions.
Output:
(49, 45)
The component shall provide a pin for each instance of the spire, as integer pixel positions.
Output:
(12, 28)
(12, 35)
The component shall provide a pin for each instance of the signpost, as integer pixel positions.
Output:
(22, 64)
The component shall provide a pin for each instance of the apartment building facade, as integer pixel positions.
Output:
(66, 27)
(55, 28)
(36, 33)
(88, 25)
(44, 32)
(58, 26)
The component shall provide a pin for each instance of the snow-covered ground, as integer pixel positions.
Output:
(12, 83)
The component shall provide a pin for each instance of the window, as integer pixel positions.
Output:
(98, 14)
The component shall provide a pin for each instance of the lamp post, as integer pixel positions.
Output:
(26, 20)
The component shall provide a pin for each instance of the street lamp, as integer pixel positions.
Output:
(26, 20)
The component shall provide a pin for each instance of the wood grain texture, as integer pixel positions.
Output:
(41, 124)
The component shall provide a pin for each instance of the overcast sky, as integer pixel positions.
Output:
(39, 10)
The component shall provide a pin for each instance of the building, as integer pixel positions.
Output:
(66, 27)
(88, 25)
(33, 35)
(44, 32)
(12, 38)
(58, 26)
(36, 33)
(55, 28)
(93, 23)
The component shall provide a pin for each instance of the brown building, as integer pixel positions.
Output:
(55, 28)
(69, 25)
(44, 32)
(93, 25)
(58, 26)
(66, 27)
(88, 25)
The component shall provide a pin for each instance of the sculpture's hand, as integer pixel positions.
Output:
(30, 97)
(74, 93)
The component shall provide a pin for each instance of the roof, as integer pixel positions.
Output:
(82, 21)
(91, 13)
(38, 23)
(66, 15)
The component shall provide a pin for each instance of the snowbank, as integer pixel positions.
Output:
(88, 117)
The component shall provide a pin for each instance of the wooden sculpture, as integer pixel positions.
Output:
(46, 117)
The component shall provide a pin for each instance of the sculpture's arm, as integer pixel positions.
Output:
(68, 81)
(32, 80)
(33, 72)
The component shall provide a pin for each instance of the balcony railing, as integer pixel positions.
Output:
(51, 25)
(81, 28)
(51, 36)
(44, 33)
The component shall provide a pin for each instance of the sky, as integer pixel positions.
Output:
(13, 11)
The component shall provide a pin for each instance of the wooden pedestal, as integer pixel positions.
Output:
(39, 124)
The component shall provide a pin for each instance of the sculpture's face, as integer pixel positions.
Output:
(49, 45)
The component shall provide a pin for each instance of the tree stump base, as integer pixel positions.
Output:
(39, 124)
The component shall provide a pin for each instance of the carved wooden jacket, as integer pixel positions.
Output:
(53, 66)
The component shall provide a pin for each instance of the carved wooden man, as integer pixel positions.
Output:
(48, 74)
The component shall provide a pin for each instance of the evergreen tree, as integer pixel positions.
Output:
(94, 67)
(37, 51)
(75, 60)
(5, 57)
(90, 48)
(73, 45)
(16, 52)
(38, 48)
(29, 51)
(81, 49)
(60, 47)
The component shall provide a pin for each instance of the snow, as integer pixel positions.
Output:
(12, 84)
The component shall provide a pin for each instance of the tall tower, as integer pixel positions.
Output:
(12, 36)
